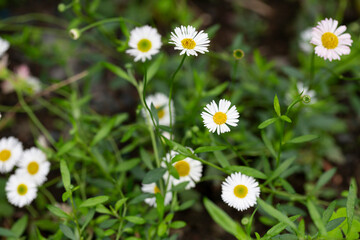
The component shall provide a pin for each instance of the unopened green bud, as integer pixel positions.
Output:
(306, 99)
(238, 54)
(245, 221)
(61, 7)
(74, 33)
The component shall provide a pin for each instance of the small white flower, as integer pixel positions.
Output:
(20, 190)
(331, 42)
(153, 188)
(35, 165)
(240, 191)
(11, 150)
(189, 170)
(190, 41)
(144, 42)
(161, 103)
(304, 41)
(305, 91)
(4, 46)
(216, 118)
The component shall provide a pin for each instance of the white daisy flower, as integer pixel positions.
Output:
(305, 91)
(11, 150)
(331, 42)
(240, 191)
(304, 41)
(189, 41)
(153, 188)
(4, 46)
(216, 118)
(20, 190)
(35, 165)
(189, 170)
(144, 42)
(161, 103)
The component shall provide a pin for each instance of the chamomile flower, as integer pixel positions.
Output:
(4, 46)
(331, 42)
(161, 103)
(240, 191)
(153, 188)
(216, 118)
(144, 42)
(190, 41)
(11, 150)
(20, 190)
(35, 165)
(189, 170)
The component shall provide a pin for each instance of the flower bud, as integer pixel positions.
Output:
(306, 99)
(74, 33)
(61, 7)
(238, 54)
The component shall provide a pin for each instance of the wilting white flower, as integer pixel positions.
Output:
(331, 42)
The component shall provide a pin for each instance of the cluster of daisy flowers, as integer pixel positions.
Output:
(238, 190)
(32, 171)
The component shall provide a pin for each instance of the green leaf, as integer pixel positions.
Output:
(119, 72)
(58, 212)
(65, 148)
(128, 164)
(177, 158)
(247, 171)
(334, 223)
(65, 196)
(65, 174)
(154, 67)
(67, 231)
(217, 90)
(145, 156)
(177, 224)
(278, 228)
(89, 216)
(161, 229)
(276, 214)
(104, 131)
(277, 106)
(268, 144)
(7, 233)
(222, 159)
(100, 208)
(315, 216)
(160, 205)
(350, 204)
(178, 147)
(226, 222)
(267, 122)
(282, 168)
(173, 172)
(119, 203)
(90, 202)
(20, 226)
(304, 138)
(324, 178)
(328, 212)
(286, 118)
(209, 149)
(179, 187)
(135, 219)
(153, 175)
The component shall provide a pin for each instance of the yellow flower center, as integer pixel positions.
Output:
(22, 189)
(183, 168)
(156, 189)
(188, 43)
(329, 40)
(220, 118)
(144, 45)
(5, 155)
(33, 168)
(240, 191)
(160, 112)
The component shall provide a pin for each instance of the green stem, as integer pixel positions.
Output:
(171, 92)
(235, 151)
(110, 20)
(34, 118)
(312, 68)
